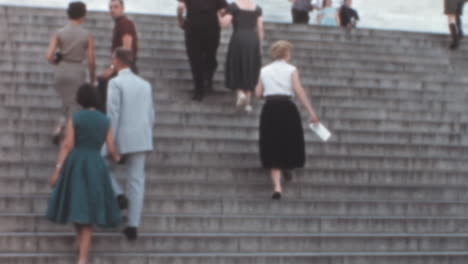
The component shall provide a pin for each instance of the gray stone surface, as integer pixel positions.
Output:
(390, 186)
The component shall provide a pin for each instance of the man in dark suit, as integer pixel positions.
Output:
(202, 33)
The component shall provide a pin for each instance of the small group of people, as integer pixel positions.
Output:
(119, 114)
(345, 16)
(454, 11)
(115, 124)
(202, 21)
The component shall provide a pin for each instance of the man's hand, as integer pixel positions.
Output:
(107, 73)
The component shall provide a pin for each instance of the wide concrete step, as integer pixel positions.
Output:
(236, 242)
(330, 57)
(296, 190)
(248, 146)
(286, 207)
(316, 176)
(173, 223)
(15, 137)
(177, 73)
(435, 257)
(322, 63)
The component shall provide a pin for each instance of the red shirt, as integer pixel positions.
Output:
(124, 26)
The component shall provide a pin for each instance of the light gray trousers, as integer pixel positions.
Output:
(135, 173)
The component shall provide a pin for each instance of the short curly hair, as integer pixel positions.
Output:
(76, 10)
(87, 96)
(280, 49)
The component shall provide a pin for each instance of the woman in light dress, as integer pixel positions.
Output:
(68, 48)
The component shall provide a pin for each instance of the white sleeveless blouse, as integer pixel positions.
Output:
(277, 78)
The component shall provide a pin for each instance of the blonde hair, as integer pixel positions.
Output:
(280, 49)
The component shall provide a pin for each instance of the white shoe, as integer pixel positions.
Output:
(248, 108)
(241, 100)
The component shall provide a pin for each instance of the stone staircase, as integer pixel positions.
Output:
(390, 187)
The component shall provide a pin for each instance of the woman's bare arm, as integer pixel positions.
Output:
(91, 59)
(260, 31)
(50, 54)
(303, 98)
(67, 145)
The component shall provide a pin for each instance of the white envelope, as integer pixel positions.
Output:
(321, 131)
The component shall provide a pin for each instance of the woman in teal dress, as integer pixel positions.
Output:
(82, 191)
(328, 15)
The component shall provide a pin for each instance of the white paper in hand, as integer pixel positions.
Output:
(321, 131)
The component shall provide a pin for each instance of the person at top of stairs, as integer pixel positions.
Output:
(282, 145)
(68, 48)
(82, 189)
(300, 11)
(202, 37)
(124, 36)
(454, 10)
(243, 60)
(348, 16)
(328, 15)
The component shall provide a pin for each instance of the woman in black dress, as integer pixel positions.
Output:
(243, 61)
(281, 133)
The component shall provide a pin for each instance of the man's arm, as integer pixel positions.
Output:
(113, 106)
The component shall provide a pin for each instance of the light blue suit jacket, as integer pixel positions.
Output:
(131, 112)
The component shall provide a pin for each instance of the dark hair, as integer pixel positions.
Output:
(87, 96)
(125, 56)
(324, 3)
(76, 10)
(120, 1)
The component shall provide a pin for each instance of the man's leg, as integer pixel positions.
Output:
(194, 52)
(136, 187)
(211, 44)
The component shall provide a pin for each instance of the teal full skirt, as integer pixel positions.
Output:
(83, 193)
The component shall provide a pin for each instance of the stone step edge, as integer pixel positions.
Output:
(36, 255)
(234, 198)
(246, 235)
(283, 217)
(207, 182)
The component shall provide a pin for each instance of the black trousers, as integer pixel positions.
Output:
(102, 89)
(300, 17)
(202, 44)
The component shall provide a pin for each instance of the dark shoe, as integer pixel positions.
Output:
(123, 202)
(287, 175)
(276, 196)
(131, 233)
(455, 38)
(197, 96)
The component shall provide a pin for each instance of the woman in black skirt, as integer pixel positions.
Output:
(281, 133)
(243, 60)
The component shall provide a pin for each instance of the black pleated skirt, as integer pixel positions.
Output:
(281, 135)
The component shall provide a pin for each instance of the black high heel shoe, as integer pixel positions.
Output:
(276, 196)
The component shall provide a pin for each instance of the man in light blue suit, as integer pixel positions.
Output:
(131, 112)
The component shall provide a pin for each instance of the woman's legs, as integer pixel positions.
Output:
(85, 242)
(276, 180)
(78, 236)
(248, 105)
